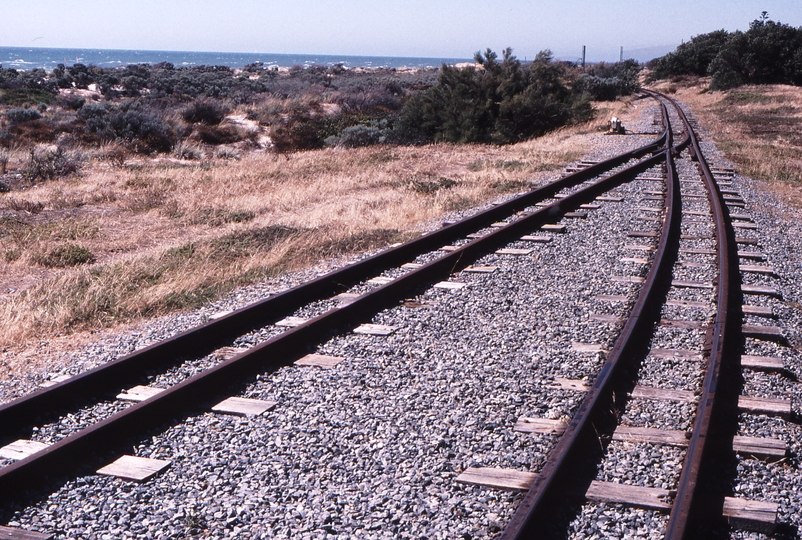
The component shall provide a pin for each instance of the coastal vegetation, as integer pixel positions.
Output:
(768, 53)
(134, 192)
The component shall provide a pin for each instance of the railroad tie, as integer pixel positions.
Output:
(514, 251)
(759, 311)
(139, 393)
(481, 269)
(761, 290)
(449, 285)
(239, 406)
(20, 449)
(14, 533)
(742, 514)
(536, 238)
(292, 322)
(766, 333)
(762, 363)
(757, 269)
(379, 280)
(606, 318)
(138, 469)
(527, 424)
(319, 360)
(766, 406)
(374, 330)
(759, 447)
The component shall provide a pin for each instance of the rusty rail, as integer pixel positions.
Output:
(88, 447)
(555, 482)
(22, 412)
(688, 509)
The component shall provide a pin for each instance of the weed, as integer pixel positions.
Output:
(245, 243)
(187, 151)
(511, 165)
(506, 186)
(430, 186)
(22, 205)
(66, 255)
(225, 152)
(11, 255)
(745, 97)
(20, 97)
(146, 199)
(215, 217)
(4, 159)
(48, 163)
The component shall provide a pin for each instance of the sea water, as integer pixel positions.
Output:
(26, 58)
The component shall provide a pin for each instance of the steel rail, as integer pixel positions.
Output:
(87, 447)
(21, 413)
(554, 482)
(687, 511)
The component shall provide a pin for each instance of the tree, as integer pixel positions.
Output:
(498, 101)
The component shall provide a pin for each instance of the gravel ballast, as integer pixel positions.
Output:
(372, 447)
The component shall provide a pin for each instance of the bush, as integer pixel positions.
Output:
(502, 103)
(48, 163)
(691, 58)
(356, 136)
(17, 116)
(768, 53)
(129, 122)
(187, 151)
(217, 134)
(606, 82)
(72, 102)
(204, 112)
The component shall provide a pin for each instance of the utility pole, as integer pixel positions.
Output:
(583, 57)
(621, 57)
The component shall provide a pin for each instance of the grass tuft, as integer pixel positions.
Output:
(66, 255)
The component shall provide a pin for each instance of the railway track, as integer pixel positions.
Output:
(506, 230)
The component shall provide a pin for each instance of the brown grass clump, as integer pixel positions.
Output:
(757, 127)
(155, 235)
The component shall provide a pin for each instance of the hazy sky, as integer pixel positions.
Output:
(430, 28)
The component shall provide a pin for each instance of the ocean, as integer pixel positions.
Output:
(26, 58)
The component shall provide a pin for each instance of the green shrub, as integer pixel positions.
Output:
(204, 111)
(502, 103)
(131, 122)
(356, 136)
(768, 53)
(691, 58)
(606, 82)
(17, 116)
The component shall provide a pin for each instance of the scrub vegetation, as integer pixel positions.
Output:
(768, 53)
(133, 192)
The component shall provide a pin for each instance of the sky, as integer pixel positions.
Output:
(419, 28)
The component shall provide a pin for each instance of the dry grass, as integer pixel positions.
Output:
(758, 127)
(168, 235)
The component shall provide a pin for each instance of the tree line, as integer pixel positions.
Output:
(768, 53)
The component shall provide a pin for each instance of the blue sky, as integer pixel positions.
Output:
(429, 28)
